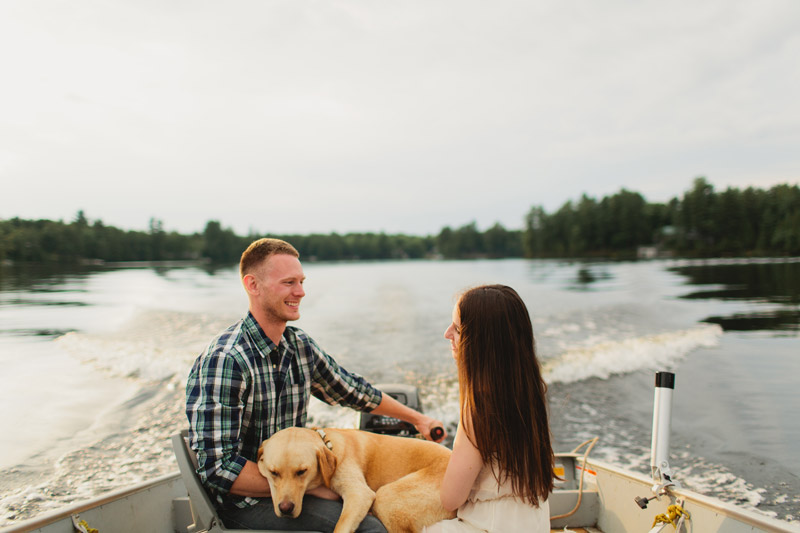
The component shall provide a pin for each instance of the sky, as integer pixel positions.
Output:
(293, 116)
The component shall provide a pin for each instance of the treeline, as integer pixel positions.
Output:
(702, 222)
(223, 245)
(82, 240)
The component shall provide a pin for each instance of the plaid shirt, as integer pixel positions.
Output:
(243, 388)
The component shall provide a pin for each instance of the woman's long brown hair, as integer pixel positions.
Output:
(502, 389)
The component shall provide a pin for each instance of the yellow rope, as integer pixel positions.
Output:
(81, 526)
(88, 529)
(672, 514)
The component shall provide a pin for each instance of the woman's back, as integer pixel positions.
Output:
(503, 418)
(492, 507)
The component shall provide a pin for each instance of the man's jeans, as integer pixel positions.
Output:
(317, 515)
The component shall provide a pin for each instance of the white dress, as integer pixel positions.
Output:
(493, 508)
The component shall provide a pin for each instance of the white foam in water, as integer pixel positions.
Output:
(124, 358)
(717, 482)
(321, 414)
(154, 346)
(618, 357)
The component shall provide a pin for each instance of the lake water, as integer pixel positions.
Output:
(94, 363)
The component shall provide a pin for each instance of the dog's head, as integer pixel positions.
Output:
(294, 460)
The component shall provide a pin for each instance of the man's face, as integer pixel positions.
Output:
(280, 282)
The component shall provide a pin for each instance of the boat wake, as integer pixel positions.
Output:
(604, 359)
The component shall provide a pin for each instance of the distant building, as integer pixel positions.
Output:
(647, 252)
(652, 252)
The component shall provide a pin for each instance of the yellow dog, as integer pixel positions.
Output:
(399, 478)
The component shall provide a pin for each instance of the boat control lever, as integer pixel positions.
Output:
(642, 501)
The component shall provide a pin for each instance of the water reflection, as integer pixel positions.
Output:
(40, 277)
(775, 320)
(585, 276)
(588, 277)
(773, 287)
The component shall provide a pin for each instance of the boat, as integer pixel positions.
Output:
(590, 496)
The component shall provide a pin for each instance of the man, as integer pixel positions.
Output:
(255, 379)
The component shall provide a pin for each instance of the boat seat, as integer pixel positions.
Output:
(204, 514)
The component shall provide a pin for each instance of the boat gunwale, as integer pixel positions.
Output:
(111, 496)
(749, 517)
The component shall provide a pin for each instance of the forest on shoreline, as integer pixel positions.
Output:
(701, 223)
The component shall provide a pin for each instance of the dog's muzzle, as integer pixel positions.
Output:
(286, 508)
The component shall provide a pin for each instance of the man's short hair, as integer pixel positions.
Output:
(260, 250)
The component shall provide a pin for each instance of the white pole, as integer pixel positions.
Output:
(662, 419)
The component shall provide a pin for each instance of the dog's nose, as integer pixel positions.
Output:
(286, 507)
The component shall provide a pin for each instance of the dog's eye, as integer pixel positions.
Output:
(274, 473)
(301, 472)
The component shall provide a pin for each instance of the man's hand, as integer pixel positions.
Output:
(426, 425)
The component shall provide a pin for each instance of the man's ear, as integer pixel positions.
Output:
(250, 284)
(326, 462)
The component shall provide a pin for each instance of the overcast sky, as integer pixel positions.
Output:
(404, 116)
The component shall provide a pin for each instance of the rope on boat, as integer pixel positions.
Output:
(81, 526)
(675, 515)
(591, 443)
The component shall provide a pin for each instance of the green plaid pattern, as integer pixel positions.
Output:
(243, 388)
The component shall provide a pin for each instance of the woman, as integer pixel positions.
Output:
(501, 470)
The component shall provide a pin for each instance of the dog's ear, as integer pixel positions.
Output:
(261, 468)
(326, 462)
